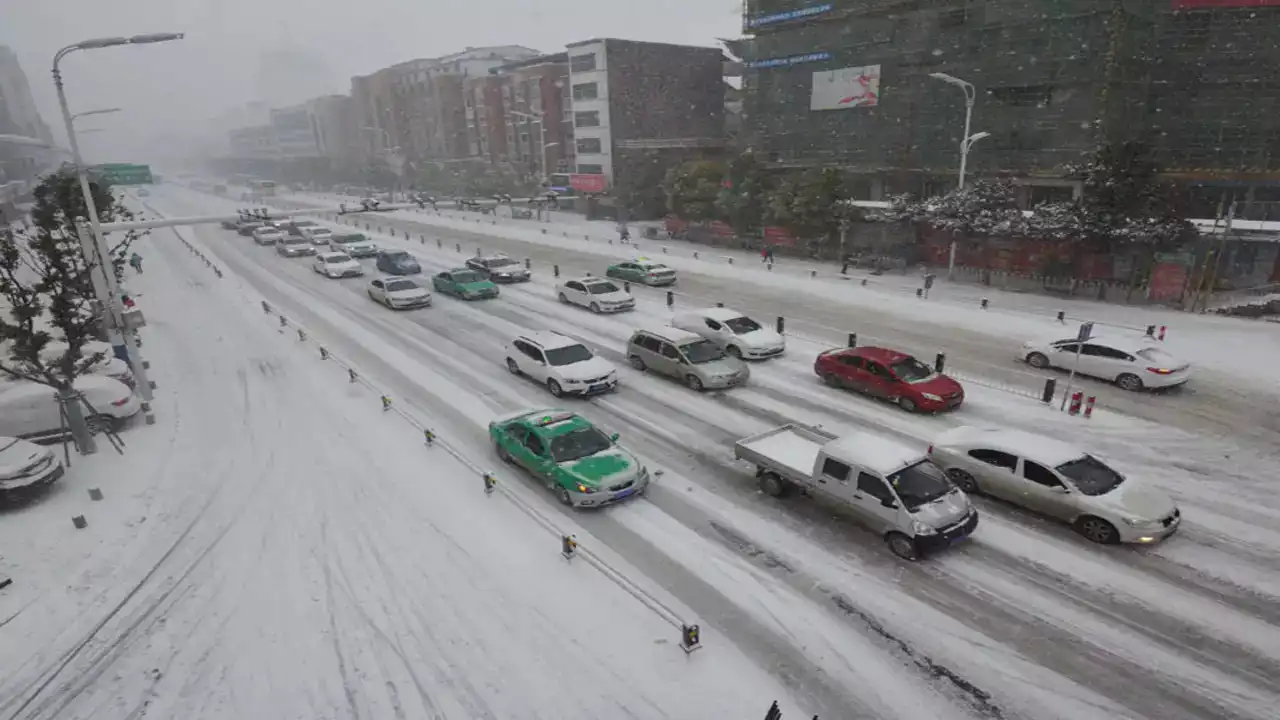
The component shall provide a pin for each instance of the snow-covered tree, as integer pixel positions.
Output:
(47, 291)
(692, 189)
(982, 208)
(811, 204)
(742, 198)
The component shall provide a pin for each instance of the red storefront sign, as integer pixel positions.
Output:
(774, 235)
(587, 183)
(675, 224)
(721, 229)
(1168, 281)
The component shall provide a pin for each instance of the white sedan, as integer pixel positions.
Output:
(337, 265)
(735, 333)
(399, 293)
(31, 410)
(26, 467)
(1130, 362)
(1058, 480)
(598, 294)
(564, 365)
(267, 235)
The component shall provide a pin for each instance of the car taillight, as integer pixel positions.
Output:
(1160, 371)
(121, 401)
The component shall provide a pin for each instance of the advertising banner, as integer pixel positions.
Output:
(852, 87)
(587, 183)
(1167, 281)
(779, 236)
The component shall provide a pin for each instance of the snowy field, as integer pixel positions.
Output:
(320, 513)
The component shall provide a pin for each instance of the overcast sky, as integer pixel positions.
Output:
(170, 90)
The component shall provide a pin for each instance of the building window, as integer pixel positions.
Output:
(585, 91)
(590, 169)
(1024, 95)
(582, 63)
(589, 146)
(587, 119)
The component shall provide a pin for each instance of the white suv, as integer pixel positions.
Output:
(600, 294)
(564, 365)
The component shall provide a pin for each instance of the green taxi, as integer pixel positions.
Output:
(643, 271)
(581, 464)
(464, 283)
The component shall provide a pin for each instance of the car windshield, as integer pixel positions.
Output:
(465, 277)
(702, 351)
(303, 224)
(292, 240)
(1091, 476)
(399, 257)
(398, 285)
(337, 259)
(347, 239)
(602, 288)
(501, 264)
(920, 484)
(568, 355)
(654, 268)
(577, 444)
(911, 370)
(742, 325)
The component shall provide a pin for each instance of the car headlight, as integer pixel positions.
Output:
(920, 528)
(1137, 521)
(585, 488)
(931, 396)
(572, 382)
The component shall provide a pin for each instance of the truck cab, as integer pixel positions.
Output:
(894, 490)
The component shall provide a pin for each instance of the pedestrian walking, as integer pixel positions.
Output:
(136, 261)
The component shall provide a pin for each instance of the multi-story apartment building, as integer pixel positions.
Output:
(18, 114)
(376, 123)
(253, 142)
(855, 84)
(641, 104)
(296, 132)
(507, 110)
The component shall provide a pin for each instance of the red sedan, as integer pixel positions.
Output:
(889, 375)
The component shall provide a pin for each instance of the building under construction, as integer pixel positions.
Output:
(855, 84)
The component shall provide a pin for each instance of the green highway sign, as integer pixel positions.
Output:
(124, 173)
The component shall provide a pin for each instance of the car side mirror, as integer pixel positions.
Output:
(888, 502)
(614, 437)
(1061, 489)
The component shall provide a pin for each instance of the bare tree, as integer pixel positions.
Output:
(45, 282)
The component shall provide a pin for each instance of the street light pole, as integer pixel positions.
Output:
(966, 142)
(94, 245)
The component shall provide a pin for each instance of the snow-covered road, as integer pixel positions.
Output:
(1026, 620)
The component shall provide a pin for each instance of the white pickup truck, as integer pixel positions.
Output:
(896, 491)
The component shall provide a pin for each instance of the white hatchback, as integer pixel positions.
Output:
(735, 333)
(564, 365)
(337, 265)
(31, 410)
(1130, 362)
(599, 294)
(399, 293)
(1056, 479)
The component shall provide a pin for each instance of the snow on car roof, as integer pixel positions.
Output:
(672, 334)
(326, 256)
(873, 452)
(1041, 449)
(548, 340)
(719, 313)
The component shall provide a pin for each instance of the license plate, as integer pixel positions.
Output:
(597, 388)
(624, 493)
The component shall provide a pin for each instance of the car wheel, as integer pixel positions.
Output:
(564, 299)
(101, 423)
(1097, 530)
(637, 362)
(829, 380)
(1130, 382)
(693, 382)
(1038, 360)
(772, 485)
(563, 494)
(503, 455)
(513, 367)
(963, 480)
(370, 294)
(907, 404)
(901, 546)
(734, 351)
(554, 388)
(595, 308)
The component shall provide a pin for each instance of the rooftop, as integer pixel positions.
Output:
(550, 340)
(875, 453)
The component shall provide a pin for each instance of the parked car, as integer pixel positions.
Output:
(598, 294)
(399, 293)
(1130, 362)
(697, 362)
(336, 265)
(296, 227)
(397, 262)
(564, 365)
(643, 271)
(895, 490)
(1058, 480)
(500, 268)
(889, 375)
(267, 235)
(733, 332)
(295, 246)
(464, 283)
(26, 467)
(317, 235)
(246, 227)
(570, 455)
(108, 365)
(353, 244)
(31, 410)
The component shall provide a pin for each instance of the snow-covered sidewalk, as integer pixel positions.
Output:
(278, 546)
